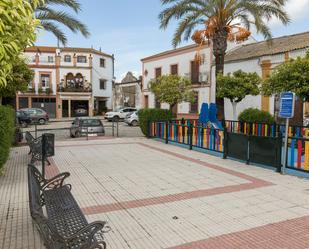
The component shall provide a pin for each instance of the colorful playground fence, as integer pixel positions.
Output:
(188, 133)
(193, 134)
(264, 129)
(298, 153)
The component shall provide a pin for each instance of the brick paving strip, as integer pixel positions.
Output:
(290, 234)
(253, 184)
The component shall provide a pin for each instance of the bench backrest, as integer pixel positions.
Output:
(46, 229)
(29, 137)
(34, 187)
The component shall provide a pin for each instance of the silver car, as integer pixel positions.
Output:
(87, 127)
(132, 119)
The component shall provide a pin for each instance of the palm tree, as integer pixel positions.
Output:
(50, 18)
(221, 21)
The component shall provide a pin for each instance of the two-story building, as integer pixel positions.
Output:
(66, 79)
(180, 61)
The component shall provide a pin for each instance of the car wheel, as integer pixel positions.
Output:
(42, 121)
(134, 123)
(116, 118)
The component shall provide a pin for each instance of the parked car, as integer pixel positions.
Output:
(84, 126)
(22, 118)
(36, 115)
(131, 119)
(119, 114)
(81, 111)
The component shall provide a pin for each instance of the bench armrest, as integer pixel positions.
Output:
(56, 182)
(89, 235)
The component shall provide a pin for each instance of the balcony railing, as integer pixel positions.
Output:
(73, 89)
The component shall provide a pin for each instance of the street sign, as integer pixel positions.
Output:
(287, 104)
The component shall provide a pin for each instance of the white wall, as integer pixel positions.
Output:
(183, 61)
(103, 73)
(252, 65)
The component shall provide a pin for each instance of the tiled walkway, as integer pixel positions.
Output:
(160, 196)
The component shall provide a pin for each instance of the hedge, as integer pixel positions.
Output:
(147, 115)
(7, 128)
(256, 116)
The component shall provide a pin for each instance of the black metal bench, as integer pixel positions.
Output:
(35, 145)
(64, 226)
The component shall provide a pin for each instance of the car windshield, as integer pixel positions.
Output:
(91, 122)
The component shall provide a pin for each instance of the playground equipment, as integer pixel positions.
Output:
(208, 116)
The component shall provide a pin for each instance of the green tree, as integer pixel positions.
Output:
(220, 21)
(51, 18)
(18, 80)
(17, 30)
(291, 76)
(172, 89)
(237, 86)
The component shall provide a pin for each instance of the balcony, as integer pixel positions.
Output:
(200, 78)
(75, 88)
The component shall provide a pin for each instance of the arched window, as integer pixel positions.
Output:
(69, 80)
(79, 80)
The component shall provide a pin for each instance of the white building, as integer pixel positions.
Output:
(262, 58)
(68, 78)
(179, 61)
(182, 61)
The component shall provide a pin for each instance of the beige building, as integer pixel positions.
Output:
(66, 79)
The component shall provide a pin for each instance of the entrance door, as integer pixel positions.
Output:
(65, 108)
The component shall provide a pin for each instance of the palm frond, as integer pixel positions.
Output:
(51, 27)
(73, 4)
(64, 18)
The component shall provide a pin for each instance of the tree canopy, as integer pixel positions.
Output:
(237, 86)
(18, 80)
(17, 30)
(172, 89)
(291, 76)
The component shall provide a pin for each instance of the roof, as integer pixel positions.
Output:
(278, 45)
(172, 52)
(46, 49)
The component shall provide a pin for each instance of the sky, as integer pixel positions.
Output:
(129, 29)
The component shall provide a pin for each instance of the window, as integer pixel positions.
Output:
(102, 62)
(102, 84)
(81, 59)
(194, 104)
(158, 72)
(67, 58)
(45, 80)
(50, 59)
(174, 69)
(195, 72)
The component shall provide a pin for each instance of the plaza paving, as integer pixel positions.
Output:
(161, 196)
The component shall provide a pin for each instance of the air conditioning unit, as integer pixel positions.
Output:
(204, 77)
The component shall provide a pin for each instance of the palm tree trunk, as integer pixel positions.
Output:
(219, 49)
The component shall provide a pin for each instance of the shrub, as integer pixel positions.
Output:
(255, 115)
(147, 115)
(7, 128)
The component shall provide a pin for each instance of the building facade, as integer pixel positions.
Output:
(128, 92)
(262, 58)
(66, 79)
(180, 61)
